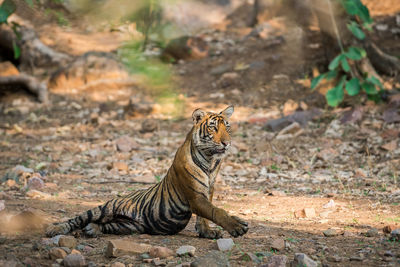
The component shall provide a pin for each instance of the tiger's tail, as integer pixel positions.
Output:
(78, 222)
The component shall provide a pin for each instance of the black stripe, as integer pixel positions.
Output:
(197, 192)
(194, 177)
(90, 216)
(196, 160)
(215, 166)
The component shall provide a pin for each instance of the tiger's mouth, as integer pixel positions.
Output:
(220, 150)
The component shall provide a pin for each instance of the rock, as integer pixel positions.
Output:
(158, 262)
(57, 253)
(125, 144)
(19, 169)
(120, 166)
(276, 261)
(373, 232)
(389, 228)
(277, 193)
(161, 252)
(218, 70)
(35, 194)
(227, 79)
(395, 235)
(388, 253)
(330, 232)
(67, 241)
(309, 213)
(12, 184)
(148, 126)
(334, 258)
(74, 260)
(225, 244)
(248, 256)
(301, 259)
(359, 257)
(117, 264)
(186, 250)
(138, 107)
(74, 251)
(211, 259)
(278, 244)
(330, 204)
(35, 183)
(120, 247)
(352, 116)
(56, 239)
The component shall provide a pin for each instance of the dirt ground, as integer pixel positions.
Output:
(266, 180)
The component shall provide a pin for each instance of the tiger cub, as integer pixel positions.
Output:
(166, 207)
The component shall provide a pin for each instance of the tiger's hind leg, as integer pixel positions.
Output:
(117, 227)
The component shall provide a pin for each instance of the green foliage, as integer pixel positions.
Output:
(341, 64)
(6, 9)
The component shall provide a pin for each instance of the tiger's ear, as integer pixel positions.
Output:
(227, 112)
(198, 115)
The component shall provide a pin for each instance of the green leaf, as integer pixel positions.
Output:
(350, 7)
(345, 64)
(317, 80)
(331, 74)
(335, 62)
(374, 81)
(369, 88)
(335, 95)
(17, 50)
(353, 86)
(355, 53)
(363, 13)
(6, 9)
(356, 30)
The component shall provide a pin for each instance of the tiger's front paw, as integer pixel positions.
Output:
(57, 229)
(210, 233)
(237, 227)
(92, 230)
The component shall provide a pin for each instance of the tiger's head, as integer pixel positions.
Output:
(211, 133)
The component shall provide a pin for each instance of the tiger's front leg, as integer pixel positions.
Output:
(202, 227)
(232, 224)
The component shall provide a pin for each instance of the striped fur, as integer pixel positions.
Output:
(167, 207)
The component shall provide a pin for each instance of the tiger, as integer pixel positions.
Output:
(166, 207)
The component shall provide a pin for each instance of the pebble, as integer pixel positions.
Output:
(330, 232)
(57, 253)
(125, 143)
(67, 241)
(35, 194)
(218, 70)
(301, 259)
(117, 264)
(120, 247)
(276, 261)
(186, 250)
(248, 256)
(213, 258)
(74, 260)
(278, 244)
(225, 244)
(161, 252)
(373, 232)
(35, 183)
(334, 258)
(158, 262)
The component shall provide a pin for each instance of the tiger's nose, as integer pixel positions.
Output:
(225, 143)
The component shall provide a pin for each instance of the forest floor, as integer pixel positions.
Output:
(340, 171)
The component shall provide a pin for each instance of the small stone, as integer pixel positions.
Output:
(276, 261)
(56, 239)
(35, 194)
(301, 259)
(120, 166)
(125, 144)
(211, 259)
(158, 262)
(225, 244)
(117, 264)
(57, 253)
(330, 232)
(334, 258)
(359, 257)
(21, 169)
(278, 244)
(388, 253)
(330, 204)
(74, 260)
(119, 247)
(186, 250)
(75, 251)
(348, 234)
(218, 70)
(289, 107)
(35, 183)
(277, 193)
(12, 184)
(373, 232)
(248, 256)
(395, 235)
(67, 241)
(227, 79)
(161, 252)
(149, 126)
(309, 212)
